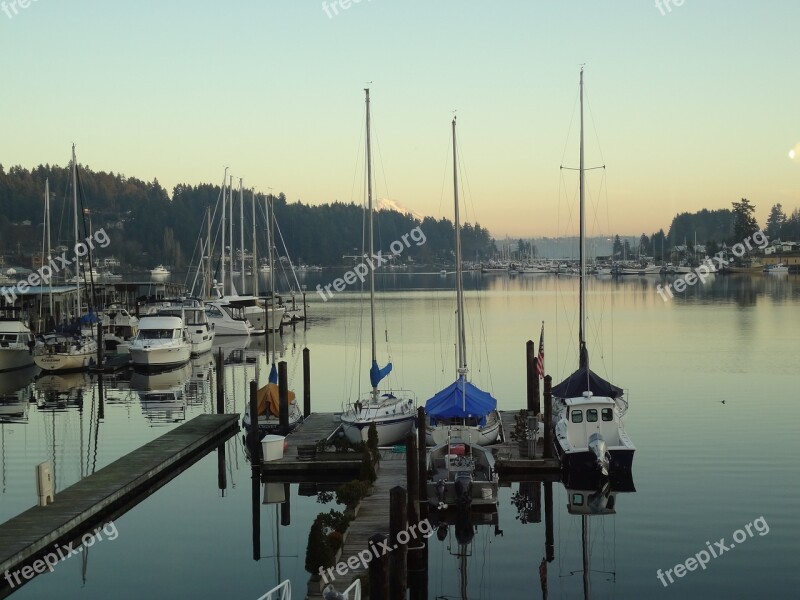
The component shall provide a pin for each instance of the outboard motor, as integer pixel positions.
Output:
(463, 487)
(597, 445)
(441, 492)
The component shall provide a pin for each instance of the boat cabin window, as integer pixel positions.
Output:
(608, 414)
(591, 415)
(155, 334)
(577, 499)
(577, 416)
(8, 338)
(213, 312)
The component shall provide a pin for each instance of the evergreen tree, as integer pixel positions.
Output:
(744, 223)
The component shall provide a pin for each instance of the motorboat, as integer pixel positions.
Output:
(228, 319)
(162, 342)
(588, 410)
(461, 474)
(160, 273)
(195, 319)
(16, 344)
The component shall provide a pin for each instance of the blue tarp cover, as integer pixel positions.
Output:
(376, 374)
(273, 374)
(585, 380)
(460, 399)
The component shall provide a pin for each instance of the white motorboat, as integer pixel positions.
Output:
(777, 269)
(587, 410)
(461, 474)
(228, 319)
(119, 327)
(195, 319)
(162, 343)
(16, 344)
(461, 408)
(392, 412)
(160, 273)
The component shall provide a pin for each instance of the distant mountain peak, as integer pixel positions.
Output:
(389, 204)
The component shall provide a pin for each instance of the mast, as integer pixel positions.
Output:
(254, 261)
(222, 253)
(371, 246)
(230, 231)
(209, 253)
(461, 341)
(270, 237)
(75, 212)
(584, 355)
(241, 227)
(47, 225)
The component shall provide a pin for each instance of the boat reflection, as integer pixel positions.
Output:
(16, 394)
(162, 395)
(61, 392)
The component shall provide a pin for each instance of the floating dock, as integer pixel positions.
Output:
(111, 491)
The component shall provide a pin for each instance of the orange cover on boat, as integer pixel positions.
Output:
(268, 399)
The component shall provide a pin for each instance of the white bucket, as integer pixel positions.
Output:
(272, 447)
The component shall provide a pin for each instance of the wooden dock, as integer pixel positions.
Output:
(329, 466)
(372, 516)
(514, 464)
(111, 491)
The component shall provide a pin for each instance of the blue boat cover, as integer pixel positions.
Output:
(460, 399)
(273, 374)
(585, 380)
(376, 374)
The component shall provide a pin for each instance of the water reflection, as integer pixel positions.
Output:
(15, 395)
(163, 395)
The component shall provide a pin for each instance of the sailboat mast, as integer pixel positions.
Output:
(371, 245)
(584, 357)
(47, 225)
(461, 341)
(254, 262)
(270, 238)
(222, 226)
(209, 254)
(75, 212)
(241, 227)
(230, 231)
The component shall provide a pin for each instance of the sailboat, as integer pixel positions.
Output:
(588, 410)
(461, 409)
(70, 352)
(392, 412)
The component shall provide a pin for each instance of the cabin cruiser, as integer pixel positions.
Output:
(160, 273)
(119, 327)
(162, 343)
(16, 344)
(229, 319)
(195, 319)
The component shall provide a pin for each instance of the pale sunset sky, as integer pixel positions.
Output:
(692, 106)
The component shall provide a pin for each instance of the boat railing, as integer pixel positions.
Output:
(282, 591)
(353, 592)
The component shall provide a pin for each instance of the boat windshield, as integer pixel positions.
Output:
(157, 334)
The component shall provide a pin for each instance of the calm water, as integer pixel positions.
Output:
(703, 469)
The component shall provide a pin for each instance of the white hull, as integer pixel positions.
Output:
(202, 343)
(65, 362)
(17, 358)
(160, 356)
(394, 419)
(483, 436)
(258, 318)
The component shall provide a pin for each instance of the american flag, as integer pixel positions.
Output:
(540, 358)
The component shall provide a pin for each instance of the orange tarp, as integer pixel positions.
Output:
(268, 399)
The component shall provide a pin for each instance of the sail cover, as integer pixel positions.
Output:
(376, 374)
(586, 380)
(460, 399)
(273, 374)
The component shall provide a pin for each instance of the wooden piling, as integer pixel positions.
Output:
(548, 417)
(283, 398)
(255, 501)
(220, 372)
(306, 382)
(549, 544)
(422, 459)
(412, 479)
(286, 507)
(222, 472)
(252, 436)
(398, 524)
(378, 569)
(532, 378)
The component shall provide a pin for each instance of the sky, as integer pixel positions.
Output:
(689, 106)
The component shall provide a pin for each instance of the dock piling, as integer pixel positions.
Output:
(252, 436)
(220, 372)
(378, 569)
(549, 544)
(532, 378)
(306, 382)
(548, 417)
(422, 460)
(283, 398)
(398, 524)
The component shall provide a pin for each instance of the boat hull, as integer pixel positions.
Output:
(17, 358)
(391, 430)
(160, 358)
(64, 362)
(585, 461)
(483, 436)
(271, 425)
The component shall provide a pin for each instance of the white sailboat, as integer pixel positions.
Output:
(461, 409)
(65, 352)
(393, 412)
(587, 410)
